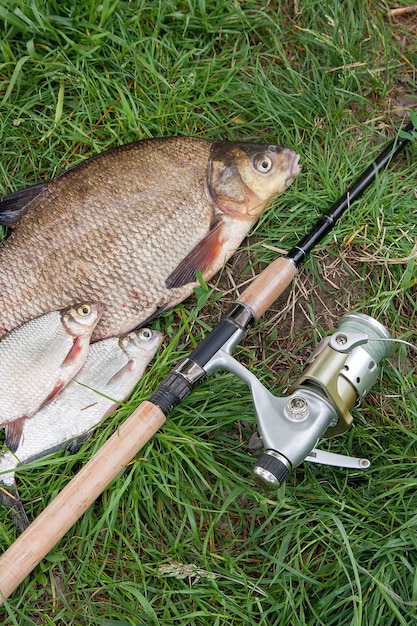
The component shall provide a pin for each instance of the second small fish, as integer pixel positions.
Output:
(112, 369)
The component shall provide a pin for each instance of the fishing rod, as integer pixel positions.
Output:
(289, 427)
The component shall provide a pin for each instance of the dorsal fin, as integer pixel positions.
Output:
(13, 206)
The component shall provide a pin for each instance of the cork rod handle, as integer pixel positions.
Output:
(70, 504)
(268, 285)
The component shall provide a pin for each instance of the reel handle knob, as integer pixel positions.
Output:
(272, 469)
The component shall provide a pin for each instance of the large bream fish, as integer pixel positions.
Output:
(112, 369)
(38, 359)
(131, 227)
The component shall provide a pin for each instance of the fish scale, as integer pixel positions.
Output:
(131, 227)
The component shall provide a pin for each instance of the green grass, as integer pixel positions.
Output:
(184, 536)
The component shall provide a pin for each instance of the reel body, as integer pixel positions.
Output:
(337, 377)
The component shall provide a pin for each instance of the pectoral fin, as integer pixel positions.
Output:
(74, 352)
(13, 206)
(200, 258)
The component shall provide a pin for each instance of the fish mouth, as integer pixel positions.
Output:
(294, 168)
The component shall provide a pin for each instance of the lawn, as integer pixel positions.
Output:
(184, 535)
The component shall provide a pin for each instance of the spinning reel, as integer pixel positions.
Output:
(336, 378)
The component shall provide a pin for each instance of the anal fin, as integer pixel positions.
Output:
(13, 431)
(158, 311)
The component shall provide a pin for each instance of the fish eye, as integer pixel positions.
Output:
(145, 334)
(262, 164)
(84, 310)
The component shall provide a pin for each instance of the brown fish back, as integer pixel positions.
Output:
(97, 225)
(129, 228)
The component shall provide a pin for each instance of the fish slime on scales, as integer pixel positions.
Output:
(131, 227)
(111, 371)
(38, 358)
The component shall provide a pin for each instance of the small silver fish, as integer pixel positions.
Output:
(112, 369)
(38, 359)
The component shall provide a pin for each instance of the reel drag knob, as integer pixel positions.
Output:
(272, 469)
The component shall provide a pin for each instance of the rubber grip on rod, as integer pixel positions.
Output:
(70, 504)
(268, 286)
